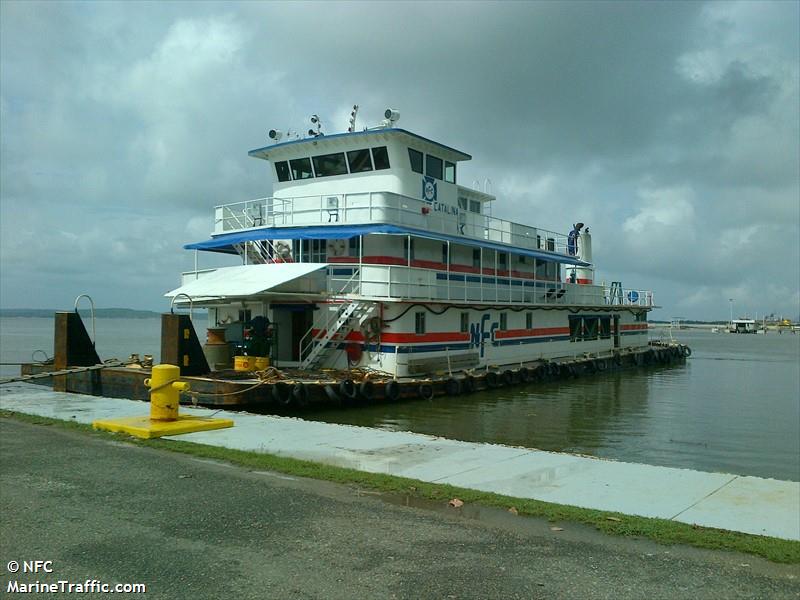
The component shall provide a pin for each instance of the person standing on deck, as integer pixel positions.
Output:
(572, 239)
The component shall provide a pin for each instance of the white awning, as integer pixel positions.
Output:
(247, 280)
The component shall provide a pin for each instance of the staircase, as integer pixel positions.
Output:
(615, 295)
(316, 347)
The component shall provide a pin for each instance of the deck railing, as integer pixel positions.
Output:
(381, 207)
(392, 282)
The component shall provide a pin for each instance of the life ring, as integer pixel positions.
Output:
(300, 395)
(468, 384)
(508, 377)
(282, 394)
(354, 352)
(371, 330)
(687, 352)
(492, 380)
(347, 389)
(425, 391)
(391, 391)
(452, 386)
(366, 390)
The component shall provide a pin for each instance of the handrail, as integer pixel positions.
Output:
(91, 304)
(302, 346)
(361, 208)
(191, 302)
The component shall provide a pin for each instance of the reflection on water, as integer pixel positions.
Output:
(734, 407)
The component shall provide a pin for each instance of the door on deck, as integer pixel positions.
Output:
(301, 322)
(616, 331)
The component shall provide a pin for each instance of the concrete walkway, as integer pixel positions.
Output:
(734, 502)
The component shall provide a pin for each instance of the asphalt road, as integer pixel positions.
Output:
(188, 528)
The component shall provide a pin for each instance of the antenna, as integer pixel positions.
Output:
(353, 114)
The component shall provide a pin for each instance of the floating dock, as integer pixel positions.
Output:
(733, 502)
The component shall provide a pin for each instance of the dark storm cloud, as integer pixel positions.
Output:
(671, 127)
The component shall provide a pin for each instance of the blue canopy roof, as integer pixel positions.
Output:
(225, 242)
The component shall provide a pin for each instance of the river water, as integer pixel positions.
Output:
(733, 407)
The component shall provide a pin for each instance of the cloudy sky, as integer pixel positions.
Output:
(671, 129)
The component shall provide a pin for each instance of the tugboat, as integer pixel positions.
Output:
(371, 254)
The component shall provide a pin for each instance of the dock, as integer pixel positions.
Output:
(726, 501)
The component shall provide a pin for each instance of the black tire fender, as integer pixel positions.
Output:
(492, 380)
(425, 391)
(333, 395)
(300, 395)
(391, 391)
(366, 389)
(468, 384)
(281, 394)
(347, 389)
(453, 387)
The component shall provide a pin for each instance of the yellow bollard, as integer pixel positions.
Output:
(165, 394)
(164, 403)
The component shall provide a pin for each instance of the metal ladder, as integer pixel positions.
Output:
(349, 315)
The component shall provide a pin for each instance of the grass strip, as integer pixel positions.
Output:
(660, 530)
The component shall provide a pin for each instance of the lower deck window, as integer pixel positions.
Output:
(464, 322)
(503, 321)
(419, 323)
(528, 320)
(584, 329)
(605, 328)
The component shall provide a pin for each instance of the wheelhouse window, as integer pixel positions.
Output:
(433, 166)
(464, 322)
(475, 206)
(359, 161)
(415, 157)
(282, 169)
(380, 157)
(419, 323)
(449, 172)
(301, 168)
(330, 164)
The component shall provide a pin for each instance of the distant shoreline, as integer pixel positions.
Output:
(100, 313)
